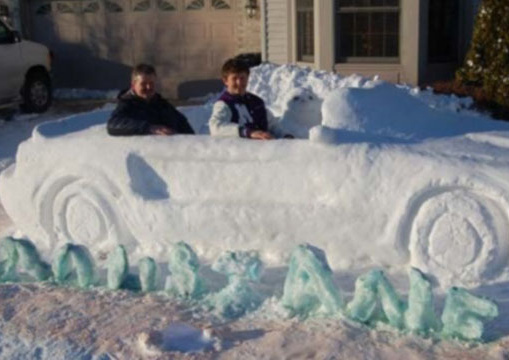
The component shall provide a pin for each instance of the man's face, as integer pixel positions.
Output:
(236, 83)
(144, 86)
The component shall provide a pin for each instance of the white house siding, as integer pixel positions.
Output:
(277, 34)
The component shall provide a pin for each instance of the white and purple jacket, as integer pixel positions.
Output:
(240, 115)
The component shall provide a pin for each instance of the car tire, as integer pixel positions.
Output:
(36, 92)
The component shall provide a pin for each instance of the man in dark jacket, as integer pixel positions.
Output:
(142, 111)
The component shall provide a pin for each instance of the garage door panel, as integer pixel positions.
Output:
(119, 47)
(69, 31)
(93, 29)
(194, 5)
(170, 62)
(168, 33)
(90, 8)
(222, 31)
(142, 35)
(168, 6)
(44, 23)
(118, 7)
(195, 32)
(141, 5)
(197, 60)
(219, 56)
(223, 5)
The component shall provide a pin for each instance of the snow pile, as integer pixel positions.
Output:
(276, 84)
(353, 103)
(374, 112)
(71, 93)
(413, 182)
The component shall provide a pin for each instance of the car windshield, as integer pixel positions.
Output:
(4, 32)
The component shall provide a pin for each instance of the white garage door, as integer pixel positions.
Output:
(97, 41)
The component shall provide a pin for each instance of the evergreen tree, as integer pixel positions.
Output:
(487, 61)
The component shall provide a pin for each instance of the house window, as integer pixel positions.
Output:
(443, 31)
(305, 31)
(367, 30)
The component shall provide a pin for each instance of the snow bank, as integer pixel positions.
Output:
(369, 106)
(412, 182)
(73, 93)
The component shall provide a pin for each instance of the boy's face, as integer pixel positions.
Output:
(236, 83)
(144, 86)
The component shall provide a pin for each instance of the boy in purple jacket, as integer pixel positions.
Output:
(239, 113)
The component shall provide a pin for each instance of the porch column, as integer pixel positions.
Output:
(324, 34)
(413, 40)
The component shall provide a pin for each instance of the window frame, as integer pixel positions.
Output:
(338, 9)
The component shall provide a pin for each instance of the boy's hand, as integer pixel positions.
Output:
(261, 135)
(161, 130)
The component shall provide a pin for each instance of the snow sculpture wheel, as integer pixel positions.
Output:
(82, 210)
(458, 234)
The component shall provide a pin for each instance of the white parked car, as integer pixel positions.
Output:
(25, 72)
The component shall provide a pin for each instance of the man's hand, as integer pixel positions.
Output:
(261, 135)
(161, 130)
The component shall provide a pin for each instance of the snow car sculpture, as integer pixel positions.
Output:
(439, 206)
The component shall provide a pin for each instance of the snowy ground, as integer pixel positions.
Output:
(46, 322)
(41, 322)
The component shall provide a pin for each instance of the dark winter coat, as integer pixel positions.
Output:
(134, 116)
